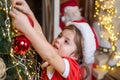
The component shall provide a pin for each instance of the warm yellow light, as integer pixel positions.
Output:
(101, 0)
(109, 67)
(118, 64)
(113, 48)
(112, 68)
(104, 67)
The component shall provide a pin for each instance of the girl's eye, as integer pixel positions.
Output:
(59, 36)
(66, 42)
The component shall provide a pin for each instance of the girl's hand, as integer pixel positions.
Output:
(22, 6)
(20, 21)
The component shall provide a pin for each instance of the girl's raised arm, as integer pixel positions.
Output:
(41, 45)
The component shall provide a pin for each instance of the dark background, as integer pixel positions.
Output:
(86, 5)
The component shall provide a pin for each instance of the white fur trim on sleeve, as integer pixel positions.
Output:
(89, 44)
(67, 68)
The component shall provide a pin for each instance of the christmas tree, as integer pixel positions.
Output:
(15, 49)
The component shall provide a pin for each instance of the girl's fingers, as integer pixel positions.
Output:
(17, 2)
(20, 8)
(14, 12)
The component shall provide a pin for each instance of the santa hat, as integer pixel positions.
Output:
(89, 42)
(66, 4)
(63, 6)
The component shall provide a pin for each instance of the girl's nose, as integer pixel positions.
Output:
(59, 40)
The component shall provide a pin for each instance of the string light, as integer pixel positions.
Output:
(19, 61)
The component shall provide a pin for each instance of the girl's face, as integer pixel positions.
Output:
(64, 44)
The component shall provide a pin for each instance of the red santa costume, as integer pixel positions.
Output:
(71, 72)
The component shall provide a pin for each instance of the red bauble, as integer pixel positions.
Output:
(21, 44)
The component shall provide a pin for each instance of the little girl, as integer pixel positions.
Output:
(63, 56)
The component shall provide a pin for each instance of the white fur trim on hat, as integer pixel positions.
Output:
(89, 44)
